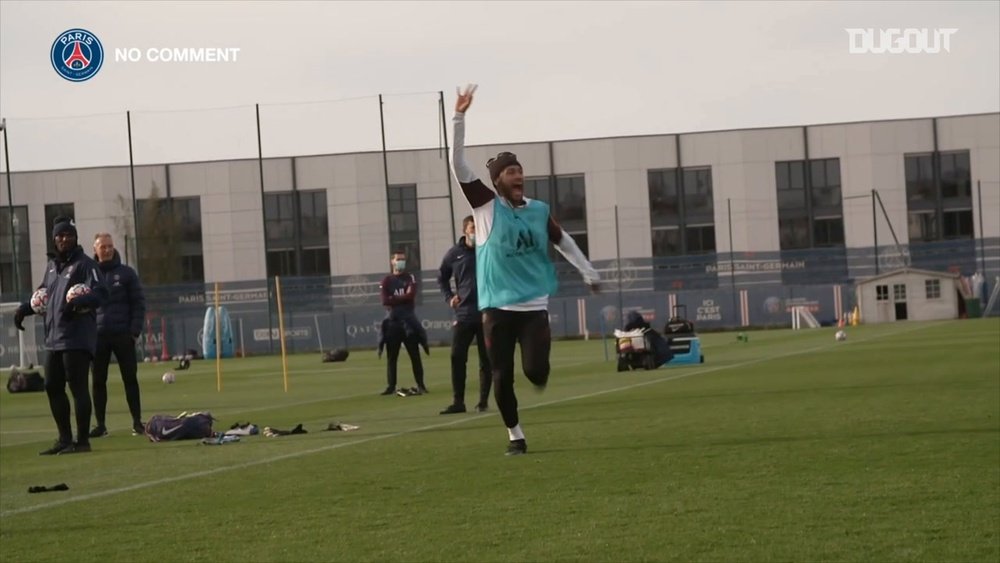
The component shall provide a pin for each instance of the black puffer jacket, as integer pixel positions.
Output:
(125, 310)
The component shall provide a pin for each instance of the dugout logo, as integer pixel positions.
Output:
(895, 41)
(77, 55)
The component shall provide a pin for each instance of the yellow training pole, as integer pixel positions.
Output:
(281, 331)
(218, 342)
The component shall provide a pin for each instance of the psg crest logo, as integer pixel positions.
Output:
(77, 55)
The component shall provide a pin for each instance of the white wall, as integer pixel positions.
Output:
(231, 223)
(615, 172)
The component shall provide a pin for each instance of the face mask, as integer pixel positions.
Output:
(471, 239)
(400, 264)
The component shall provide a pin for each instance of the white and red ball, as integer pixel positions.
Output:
(840, 336)
(39, 301)
(76, 291)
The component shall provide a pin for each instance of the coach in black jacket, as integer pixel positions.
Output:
(70, 334)
(119, 323)
(460, 263)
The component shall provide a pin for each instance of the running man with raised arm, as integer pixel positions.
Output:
(514, 272)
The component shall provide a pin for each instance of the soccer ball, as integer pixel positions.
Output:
(841, 336)
(39, 301)
(76, 291)
(169, 377)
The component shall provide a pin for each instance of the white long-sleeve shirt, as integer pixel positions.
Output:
(482, 199)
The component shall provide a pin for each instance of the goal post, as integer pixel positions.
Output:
(802, 315)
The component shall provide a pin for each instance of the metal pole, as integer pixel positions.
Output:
(135, 206)
(618, 250)
(263, 219)
(892, 231)
(385, 164)
(982, 231)
(875, 230)
(13, 223)
(732, 253)
(447, 164)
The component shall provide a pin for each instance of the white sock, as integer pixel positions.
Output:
(515, 433)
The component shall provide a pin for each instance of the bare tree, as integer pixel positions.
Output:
(158, 241)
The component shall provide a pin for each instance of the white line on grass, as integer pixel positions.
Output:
(302, 453)
(244, 411)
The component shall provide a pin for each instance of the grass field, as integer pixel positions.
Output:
(791, 447)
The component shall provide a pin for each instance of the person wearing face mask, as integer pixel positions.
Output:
(514, 272)
(460, 263)
(70, 335)
(401, 326)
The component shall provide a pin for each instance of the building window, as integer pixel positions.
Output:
(881, 293)
(933, 289)
(700, 239)
(810, 211)
(957, 224)
(793, 232)
(664, 198)
(919, 178)
(828, 231)
(899, 292)
(187, 211)
(922, 226)
(52, 212)
(297, 232)
(404, 224)
(667, 241)
(571, 204)
(956, 176)
(170, 246)
(939, 196)
(568, 205)
(681, 211)
(14, 242)
(538, 188)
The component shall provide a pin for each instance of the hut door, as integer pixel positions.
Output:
(899, 298)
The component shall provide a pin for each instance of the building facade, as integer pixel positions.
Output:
(723, 211)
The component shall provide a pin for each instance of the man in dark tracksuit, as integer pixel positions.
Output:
(119, 323)
(70, 335)
(399, 290)
(460, 262)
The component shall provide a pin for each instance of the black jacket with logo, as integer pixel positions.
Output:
(71, 326)
(460, 263)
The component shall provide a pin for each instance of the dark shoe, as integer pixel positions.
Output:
(453, 409)
(138, 428)
(482, 408)
(98, 431)
(56, 448)
(76, 448)
(517, 447)
(388, 391)
(422, 390)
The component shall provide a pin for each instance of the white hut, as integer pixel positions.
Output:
(909, 294)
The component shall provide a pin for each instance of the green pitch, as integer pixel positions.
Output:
(790, 447)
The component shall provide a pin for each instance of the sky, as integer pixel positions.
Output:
(545, 70)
